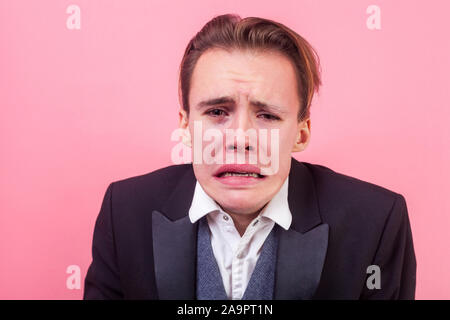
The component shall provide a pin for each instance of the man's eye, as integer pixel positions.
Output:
(268, 116)
(216, 112)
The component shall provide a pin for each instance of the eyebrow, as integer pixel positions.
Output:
(215, 102)
(230, 100)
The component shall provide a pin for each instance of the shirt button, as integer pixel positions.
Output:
(225, 218)
(254, 223)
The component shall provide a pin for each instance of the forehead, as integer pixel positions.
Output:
(267, 75)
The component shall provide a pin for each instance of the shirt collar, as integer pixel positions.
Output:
(277, 209)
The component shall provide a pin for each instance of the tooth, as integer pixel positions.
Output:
(240, 174)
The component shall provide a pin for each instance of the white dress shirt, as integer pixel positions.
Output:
(236, 256)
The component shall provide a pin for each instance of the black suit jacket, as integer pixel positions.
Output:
(144, 245)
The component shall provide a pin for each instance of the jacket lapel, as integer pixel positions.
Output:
(302, 248)
(300, 262)
(175, 243)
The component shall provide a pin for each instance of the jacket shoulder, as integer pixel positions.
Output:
(325, 175)
(338, 190)
(154, 186)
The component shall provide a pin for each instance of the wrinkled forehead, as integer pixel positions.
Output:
(244, 74)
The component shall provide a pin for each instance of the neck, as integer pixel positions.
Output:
(241, 221)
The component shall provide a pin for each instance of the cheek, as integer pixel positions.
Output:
(202, 173)
(199, 124)
(287, 136)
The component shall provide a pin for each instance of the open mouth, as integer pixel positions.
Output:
(239, 172)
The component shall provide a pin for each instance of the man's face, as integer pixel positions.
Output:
(260, 92)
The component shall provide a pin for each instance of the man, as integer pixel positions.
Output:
(278, 229)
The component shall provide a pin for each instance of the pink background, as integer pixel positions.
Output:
(82, 108)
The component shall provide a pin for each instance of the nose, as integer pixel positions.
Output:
(241, 138)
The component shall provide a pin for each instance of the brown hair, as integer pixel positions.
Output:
(230, 31)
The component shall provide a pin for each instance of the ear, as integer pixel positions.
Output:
(303, 135)
(184, 125)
